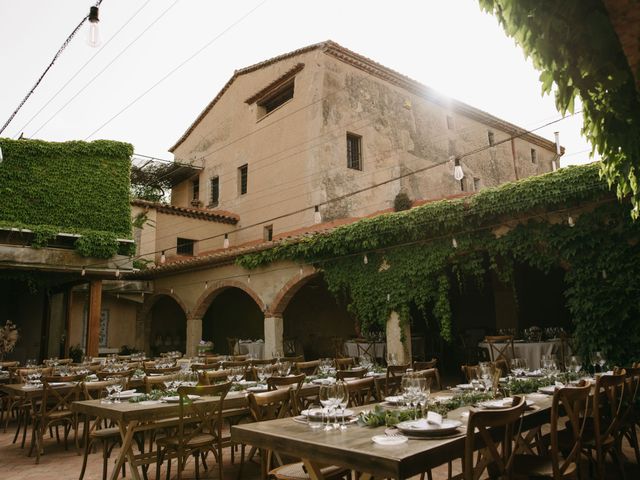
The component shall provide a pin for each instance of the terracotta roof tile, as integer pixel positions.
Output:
(220, 216)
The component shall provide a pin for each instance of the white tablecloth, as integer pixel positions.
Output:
(531, 351)
(253, 348)
(378, 349)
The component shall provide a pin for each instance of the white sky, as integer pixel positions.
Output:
(448, 45)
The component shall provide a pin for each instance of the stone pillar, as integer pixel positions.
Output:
(194, 335)
(506, 306)
(395, 334)
(273, 334)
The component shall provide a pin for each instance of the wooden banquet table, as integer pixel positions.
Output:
(355, 450)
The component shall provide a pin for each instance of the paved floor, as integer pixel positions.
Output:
(58, 464)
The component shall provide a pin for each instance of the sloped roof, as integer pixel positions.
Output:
(384, 73)
(220, 216)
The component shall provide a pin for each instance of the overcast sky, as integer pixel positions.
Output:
(448, 45)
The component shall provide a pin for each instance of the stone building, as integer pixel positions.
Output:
(303, 142)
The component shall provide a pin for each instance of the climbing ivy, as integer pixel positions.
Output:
(412, 258)
(574, 45)
(70, 187)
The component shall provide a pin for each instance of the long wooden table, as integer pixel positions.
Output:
(355, 450)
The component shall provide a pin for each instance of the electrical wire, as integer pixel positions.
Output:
(93, 79)
(175, 69)
(46, 70)
(84, 65)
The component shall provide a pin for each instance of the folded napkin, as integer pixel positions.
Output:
(127, 392)
(434, 418)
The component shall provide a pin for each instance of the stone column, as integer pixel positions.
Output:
(194, 335)
(395, 334)
(273, 334)
(93, 320)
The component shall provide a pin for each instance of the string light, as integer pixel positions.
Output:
(83, 272)
(301, 271)
(171, 290)
(163, 258)
(458, 173)
(225, 243)
(117, 272)
(454, 242)
(93, 34)
(388, 297)
(365, 260)
(249, 278)
(317, 217)
(604, 274)
(206, 284)
(571, 222)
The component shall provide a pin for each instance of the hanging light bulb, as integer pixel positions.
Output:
(301, 271)
(83, 272)
(317, 217)
(604, 274)
(225, 244)
(117, 272)
(557, 136)
(458, 174)
(388, 297)
(163, 258)
(570, 221)
(171, 290)
(206, 284)
(249, 278)
(93, 34)
(454, 242)
(365, 260)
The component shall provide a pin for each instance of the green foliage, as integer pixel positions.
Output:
(574, 45)
(402, 202)
(71, 187)
(76, 353)
(411, 259)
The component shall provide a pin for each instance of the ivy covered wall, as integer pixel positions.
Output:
(72, 187)
(567, 219)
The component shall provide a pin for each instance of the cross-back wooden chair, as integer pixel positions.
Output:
(236, 363)
(264, 361)
(607, 415)
(308, 368)
(199, 430)
(397, 370)
(205, 367)
(95, 430)
(361, 391)
(159, 371)
(156, 382)
(344, 374)
(570, 402)
(102, 375)
(211, 377)
(366, 349)
(500, 347)
(387, 386)
(426, 364)
(55, 409)
(470, 372)
(630, 415)
(344, 363)
(497, 456)
(209, 359)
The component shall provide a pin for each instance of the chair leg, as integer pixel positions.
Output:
(87, 449)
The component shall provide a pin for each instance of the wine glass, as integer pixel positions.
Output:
(601, 360)
(327, 398)
(593, 360)
(117, 388)
(342, 399)
(575, 364)
(392, 358)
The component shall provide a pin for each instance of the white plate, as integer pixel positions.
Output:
(176, 398)
(394, 399)
(347, 413)
(548, 390)
(246, 383)
(389, 439)
(500, 404)
(465, 386)
(130, 394)
(422, 427)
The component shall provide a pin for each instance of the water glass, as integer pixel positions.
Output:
(315, 417)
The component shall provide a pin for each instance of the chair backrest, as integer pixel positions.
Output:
(202, 418)
(94, 390)
(342, 374)
(9, 364)
(500, 347)
(209, 359)
(631, 390)
(470, 372)
(292, 383)
(425, 365)
(290, 347)
(338, 346)
(65, 361)
(239, 358)
(271, 404)
(102, 375)
(308, 368)
(265, 361)
(22, 373)
(574, 403)
(57, 398)
(608, 406)
(361, 391)
(236, 363)
(397, 370)
(365, 349)
(386, 386)
(344, 363)
(156, 382)
(210, 377)
(499, 453)
(206, 366)
(433, 378)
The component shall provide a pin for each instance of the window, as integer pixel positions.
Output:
(243, 174)
(462, 185)
(275, 99)
(185, 246)
(476, 184)
(267, 233)
(195, 189)
(215, 192)
(450, 124)
(452, 148)
(534, 156)
(491, 138)
(354, 151)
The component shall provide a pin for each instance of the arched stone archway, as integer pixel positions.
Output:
(165, 323)
(215, 289)
(288, 291)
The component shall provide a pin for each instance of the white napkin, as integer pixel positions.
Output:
(434, 418)
(127, 392)
(559, 384)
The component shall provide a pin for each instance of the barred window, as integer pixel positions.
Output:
(243, 174)
(354, 151)
(185, 246)
(215, 192)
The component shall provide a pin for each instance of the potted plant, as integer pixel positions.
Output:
(8, 338)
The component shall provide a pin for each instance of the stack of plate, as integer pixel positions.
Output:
(423, 428)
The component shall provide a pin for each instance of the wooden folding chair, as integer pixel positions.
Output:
(572, 402)
(308, 368)
(425, 365)
(366, 349)
(343, 374)
(344, 363)
(482, 429)
(433, 378)
(199, 431)
(630, 415)
(361, 391)
(505, 351)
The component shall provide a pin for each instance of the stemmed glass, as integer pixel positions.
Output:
(342, 397)
(411, 391)
(327, 396)
(284, 368)
(575, 364)
(601, 361)
(597, 358)
(484, 370)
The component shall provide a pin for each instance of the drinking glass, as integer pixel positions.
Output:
(109, 388)
(315, 417)
(117, 388)
(284, 368)
(327, 397)
(601, 360)
(593, 360)
(392, 359)
(342, 399)
(575, 364)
